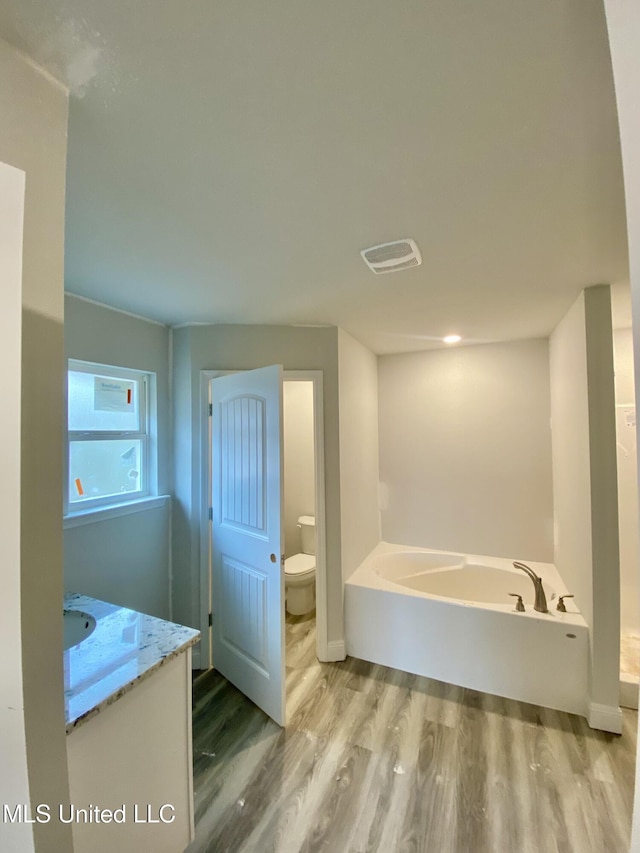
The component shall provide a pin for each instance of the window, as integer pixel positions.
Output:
(108, 435)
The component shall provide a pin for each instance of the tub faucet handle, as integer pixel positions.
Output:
(519, 602)
(561, 606)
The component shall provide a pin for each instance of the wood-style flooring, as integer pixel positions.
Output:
(373, 759)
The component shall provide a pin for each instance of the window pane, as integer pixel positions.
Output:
(99, 402)
(101, 468)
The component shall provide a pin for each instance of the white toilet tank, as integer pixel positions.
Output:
(308, 533)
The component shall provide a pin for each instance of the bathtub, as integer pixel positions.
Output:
(450, 617)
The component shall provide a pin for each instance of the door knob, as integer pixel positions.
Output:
(273, 558)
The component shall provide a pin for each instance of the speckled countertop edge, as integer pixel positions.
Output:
(99, 657)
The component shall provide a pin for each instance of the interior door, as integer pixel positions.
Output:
(247, 540)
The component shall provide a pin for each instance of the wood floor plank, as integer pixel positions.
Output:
(501, 803)
(374, 760)
(397, 760)
(470, 811)
(431, 802)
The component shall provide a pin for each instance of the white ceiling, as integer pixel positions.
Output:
(228, 160)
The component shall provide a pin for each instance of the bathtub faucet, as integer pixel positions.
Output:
(541, 600)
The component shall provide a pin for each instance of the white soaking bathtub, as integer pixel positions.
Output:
(450, 617)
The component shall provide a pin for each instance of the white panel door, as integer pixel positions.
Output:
(247, 541)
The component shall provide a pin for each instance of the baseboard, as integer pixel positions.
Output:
(629, 693)
(605, 718)
(336, 650)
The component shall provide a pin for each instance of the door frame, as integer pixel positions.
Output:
(205, 660)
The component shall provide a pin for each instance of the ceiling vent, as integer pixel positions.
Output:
(389, 257)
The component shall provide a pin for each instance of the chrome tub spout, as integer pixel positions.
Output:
(540, 603)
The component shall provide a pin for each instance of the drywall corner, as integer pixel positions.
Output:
(585, 479)
(604, 496)
(359, 472)
(570, 456)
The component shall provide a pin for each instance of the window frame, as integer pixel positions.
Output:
(145, 436)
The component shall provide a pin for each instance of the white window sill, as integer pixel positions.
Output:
(104, 513)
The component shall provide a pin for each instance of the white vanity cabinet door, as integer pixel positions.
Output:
(136, 755)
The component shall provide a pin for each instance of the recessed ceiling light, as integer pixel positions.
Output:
(452, 339)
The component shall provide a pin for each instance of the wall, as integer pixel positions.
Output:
(585, 485)
(627, 459)
(623, 23)
(605, 631)
(465, 449)
(197, 348)
(299, 461)
(125, 559)
(14, 781)
(33, 138)
(359, 475)
(570, 448)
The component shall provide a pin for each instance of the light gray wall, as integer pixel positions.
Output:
(605, 668)
(240, 347)
(465, 449)
(623, 23)
(33, 137)
(358, 371)
(126, 559)
(14, 780)
(570, 443)
(584, 476)
(299, 460)
(627, 459)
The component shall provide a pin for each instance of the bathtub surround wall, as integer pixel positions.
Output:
(623, 23)
(124, 560)
(585, 486)
(239, 347)
(299, 460)
(626, 434)
(465, 450)
(359, 473)
(33, 138)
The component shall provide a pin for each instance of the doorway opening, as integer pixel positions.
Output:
(299, 520)
(302, 394)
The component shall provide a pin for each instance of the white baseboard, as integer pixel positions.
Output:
(336, 650)
(606, 718)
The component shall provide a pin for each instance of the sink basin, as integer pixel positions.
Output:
(77, 627)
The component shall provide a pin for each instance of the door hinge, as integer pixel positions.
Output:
(210, 619)
(210, 410)
(210, 513)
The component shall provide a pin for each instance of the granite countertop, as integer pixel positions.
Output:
(125, 647)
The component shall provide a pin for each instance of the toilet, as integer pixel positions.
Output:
(300, 571)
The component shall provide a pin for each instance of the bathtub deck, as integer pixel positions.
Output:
(374, 759)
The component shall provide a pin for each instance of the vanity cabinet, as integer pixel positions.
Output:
(129, 752)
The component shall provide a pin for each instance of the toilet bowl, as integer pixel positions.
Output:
(300, 571)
